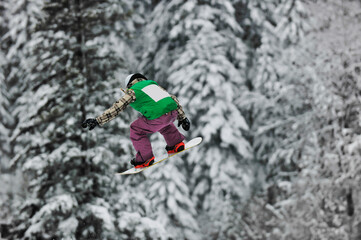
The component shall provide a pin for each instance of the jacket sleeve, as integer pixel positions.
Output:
(117, 107)
(181, 113)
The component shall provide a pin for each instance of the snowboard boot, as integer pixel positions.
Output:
(146, 163)
(174, 149)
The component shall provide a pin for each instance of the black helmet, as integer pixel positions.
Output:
(131, 77)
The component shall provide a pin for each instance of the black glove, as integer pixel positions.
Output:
(91, 123)
(186, 124)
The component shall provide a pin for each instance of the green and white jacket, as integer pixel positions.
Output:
(147, 97)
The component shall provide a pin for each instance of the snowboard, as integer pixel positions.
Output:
(192, 143)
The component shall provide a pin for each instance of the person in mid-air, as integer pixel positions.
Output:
(159, 110)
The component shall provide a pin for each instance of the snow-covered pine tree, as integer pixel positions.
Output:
(21, 17)
(342, 139)
(278, 107)
(5, 149)
(326, 189)
(14, 34)
(5, 120)
(169, 194)
(195, 48)
(5, 116)
(323, 82)
(74, 53)
(13, 37)
(279, 100)
(18, 17)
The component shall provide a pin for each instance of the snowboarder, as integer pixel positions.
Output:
(159, 110)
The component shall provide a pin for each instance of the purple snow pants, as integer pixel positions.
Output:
(141, 128)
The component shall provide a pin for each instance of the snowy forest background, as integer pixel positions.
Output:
(273, 87)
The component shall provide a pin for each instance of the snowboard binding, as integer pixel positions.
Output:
(147, 163)
(174, 149)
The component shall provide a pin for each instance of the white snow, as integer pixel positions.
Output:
(103, 214)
